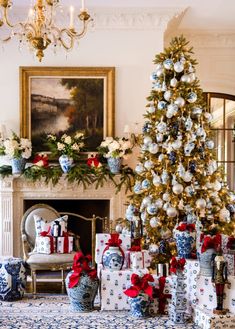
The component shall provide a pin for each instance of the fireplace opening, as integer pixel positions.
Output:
(86, 208)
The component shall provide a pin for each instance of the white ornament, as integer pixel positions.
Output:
(161, 157)
(180, 101)
(178, 188)
(188, 123)
(146, 200)
(119, 228)
(159, 138)
(208, 116)
(159, 203)
(154, 222)
(217, 186)
(167, 95)
(210, 144)
(153, 148)
(161, 127)
(161, 105)
(139, 168)
(164, 177)
(166, 197)
(153, 248)
(171, 212)
(187, 177)
(149, 164)
(188, 148)
(151, 109)
(224, 215)
(145, 184)
(159, 72)
(185, 78)
(192, 77)
(201, 203)
(156, 180)
(178, 67)
(147, 140)
(189, 190)
(173, 82)
(177, 144)
(168, 64)
(152, 209)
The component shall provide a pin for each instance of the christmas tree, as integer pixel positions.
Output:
(177, 177)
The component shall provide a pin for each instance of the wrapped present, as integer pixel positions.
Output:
(45, 244)
(206, 295)
(162, 295)
(102, 239)
(59, 226)
(205, 319)
(162, 269)
(230, 258)
(138, 259)
(64, 244)
(191, 271)
(113, 283)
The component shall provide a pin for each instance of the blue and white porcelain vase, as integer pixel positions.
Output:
(17, 165)
(66, 163)
(205, 261)
(83, 295)
(114, 165)
(139, 306)
(185, 241)
(112, 258)
(12, 278)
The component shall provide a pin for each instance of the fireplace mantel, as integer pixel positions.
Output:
(14, 190)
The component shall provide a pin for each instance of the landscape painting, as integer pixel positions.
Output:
(60, 104)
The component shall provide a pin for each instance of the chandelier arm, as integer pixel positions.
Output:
(70, 38)
(5, 17)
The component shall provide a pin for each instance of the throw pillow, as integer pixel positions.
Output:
(40, 225)
(59, 226)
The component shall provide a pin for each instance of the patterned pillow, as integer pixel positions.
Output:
(59, 226)
(40, 224)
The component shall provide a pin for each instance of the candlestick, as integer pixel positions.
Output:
(83, 5)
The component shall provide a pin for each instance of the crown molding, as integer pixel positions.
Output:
(209, 38)
(134, 18)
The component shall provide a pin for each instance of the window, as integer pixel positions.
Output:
(222, 107)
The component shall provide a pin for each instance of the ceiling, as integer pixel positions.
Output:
(200, 14)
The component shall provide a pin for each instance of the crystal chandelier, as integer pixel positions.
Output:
(40, 30)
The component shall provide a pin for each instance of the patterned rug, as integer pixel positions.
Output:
(49, 312)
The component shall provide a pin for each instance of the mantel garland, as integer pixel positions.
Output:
(80, 173)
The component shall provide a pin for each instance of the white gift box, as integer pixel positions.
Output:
(191, 271)
(205, 319)
(137, 259)
(206, 295)
(230, 258)
(64, 244)
(113, 283)
(43, 245)
(102, 239)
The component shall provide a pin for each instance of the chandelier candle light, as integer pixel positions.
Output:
(40, 30)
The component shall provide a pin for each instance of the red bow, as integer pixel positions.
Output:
(135, 248)
(41, 158)
(186, 227)
(162, 297)
(114, 240)
(47, 234)
(93, 162)
(177, 264)
(211, 242)
(81, 266)
(140, 284)
(231, 242)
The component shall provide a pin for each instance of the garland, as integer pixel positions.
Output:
(80, 173)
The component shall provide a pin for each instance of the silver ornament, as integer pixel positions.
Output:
(185, 78)
(171, 212)
(177, 188)
(178, 67)
(168, 64)
(192, 97)
(153, 148)
(180, 101)
(154, 222)
(147, 140)
(167, 95)
(173, 82)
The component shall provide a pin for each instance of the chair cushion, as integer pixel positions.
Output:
(49, 260)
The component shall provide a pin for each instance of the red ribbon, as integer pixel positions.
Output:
(140, 284)
(162, 297)
(114, 240)
(43, 158)
(186, 227)
(177, 264)
(81, 266)
(93, 162)
(51, 238)
(211, 242)
(231, 242)
(135, 248)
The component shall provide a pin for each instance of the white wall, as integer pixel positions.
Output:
(130, 51)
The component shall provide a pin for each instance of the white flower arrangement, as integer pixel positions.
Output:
(16, 147)
(115, 147)
(68, 145)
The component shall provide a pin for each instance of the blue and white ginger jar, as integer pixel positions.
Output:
(205, 260)
(114, 165)
(113, 259)
(185, 242)
(139, 306)
(66, 163)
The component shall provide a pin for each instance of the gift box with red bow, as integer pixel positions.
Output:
(101, 244)
(191, 271)
(45, 243)
(64, 244)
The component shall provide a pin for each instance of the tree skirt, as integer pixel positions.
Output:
(54, 312)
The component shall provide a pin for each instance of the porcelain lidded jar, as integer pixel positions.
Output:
(113, 255)
(66, 163)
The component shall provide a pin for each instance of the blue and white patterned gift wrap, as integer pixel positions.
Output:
(43, 245)
(102, 239)
(207, 320)
(113, 283)
(12, 278)
(206, 295)
(137, 259)
(191, 271)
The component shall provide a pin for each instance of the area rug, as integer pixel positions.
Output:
(49, 312)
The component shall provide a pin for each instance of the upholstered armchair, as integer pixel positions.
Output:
(54, 261)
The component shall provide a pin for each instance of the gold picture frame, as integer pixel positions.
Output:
(65, 99)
